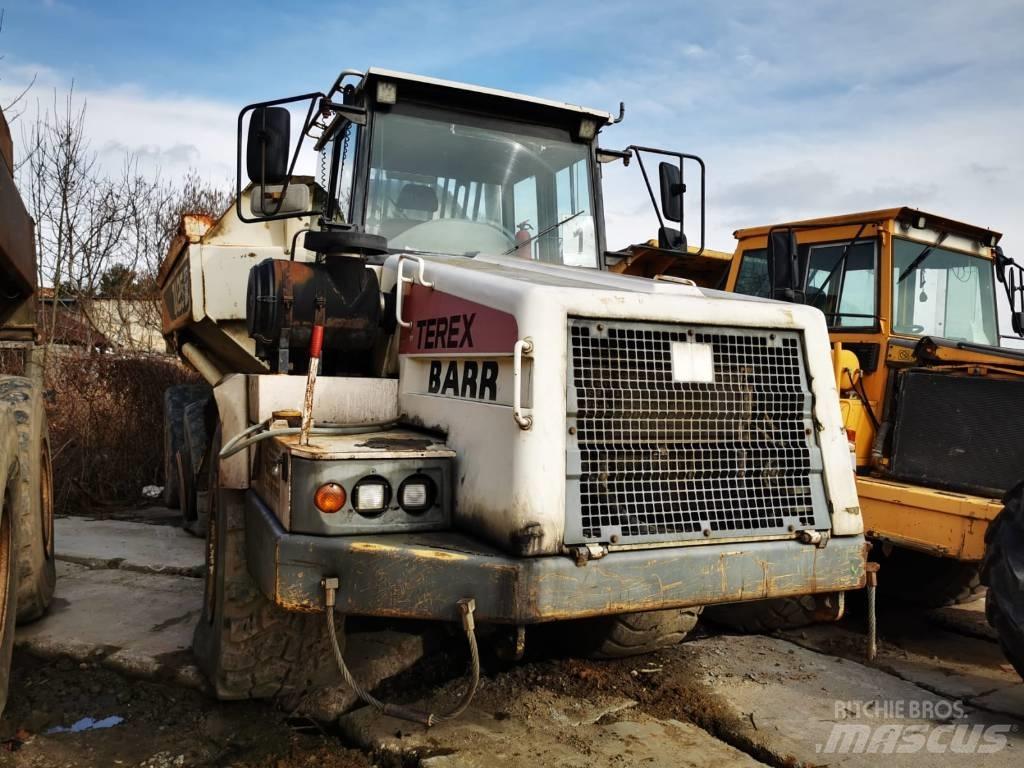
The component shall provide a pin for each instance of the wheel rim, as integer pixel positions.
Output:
(46, 500)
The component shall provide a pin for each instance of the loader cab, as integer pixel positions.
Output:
(435, 167)
(892, 285)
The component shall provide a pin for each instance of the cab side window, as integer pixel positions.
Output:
(752, 279)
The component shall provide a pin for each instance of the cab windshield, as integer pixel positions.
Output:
(942, 293)
(446, 186)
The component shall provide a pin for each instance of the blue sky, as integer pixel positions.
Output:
(800, 108)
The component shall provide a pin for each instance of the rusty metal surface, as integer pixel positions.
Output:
(17, 249)
(423, 575)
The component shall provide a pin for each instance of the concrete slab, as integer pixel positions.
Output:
(129, 546)
(540, 728)
(801, 707)
(949, 663)
(138, 623)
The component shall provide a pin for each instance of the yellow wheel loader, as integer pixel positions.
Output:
(932, 402)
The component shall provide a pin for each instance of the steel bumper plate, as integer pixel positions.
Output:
(423, 575)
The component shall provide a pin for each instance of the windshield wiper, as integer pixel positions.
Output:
(924, 254)
(543, 232)
(841, 261)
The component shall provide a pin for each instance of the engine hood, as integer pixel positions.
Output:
(459, 322)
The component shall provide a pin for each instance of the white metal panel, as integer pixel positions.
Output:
(337, 399)
(523, 492)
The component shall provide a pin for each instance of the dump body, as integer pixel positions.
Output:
(17, 251)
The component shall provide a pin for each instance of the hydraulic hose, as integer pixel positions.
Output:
(251, 435)
(466, 608)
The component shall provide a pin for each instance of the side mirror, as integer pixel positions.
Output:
(268, 145)
(672, 191)
(787, 269)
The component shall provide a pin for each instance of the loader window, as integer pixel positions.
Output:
(442, 186)
(843, 288)
(947, 294)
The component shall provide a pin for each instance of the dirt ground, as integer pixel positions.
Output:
(163, 726)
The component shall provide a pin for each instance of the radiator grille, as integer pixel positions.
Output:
(655, 459)
(964, 433)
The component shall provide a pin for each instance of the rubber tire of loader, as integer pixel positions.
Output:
(8, 546)
(1003, 572)
(916, 578)
(759, 617)
(175, 400)
(32, 497)
(633, 634)
(247, 646)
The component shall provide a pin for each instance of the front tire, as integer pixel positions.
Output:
(927, 581)
(633, 634)
(247, 646)
(1003, 572)
(8, 546)
(31, 497)
(759, 617)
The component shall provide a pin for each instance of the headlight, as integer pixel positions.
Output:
(417, 494)
(329, 498)
(371, 496)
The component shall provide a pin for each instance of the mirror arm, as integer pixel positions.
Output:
(311, 112)
(682, 156)
(647, 181)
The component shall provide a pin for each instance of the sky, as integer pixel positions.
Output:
(799, 108)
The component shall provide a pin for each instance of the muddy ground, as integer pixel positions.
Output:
(114, 651)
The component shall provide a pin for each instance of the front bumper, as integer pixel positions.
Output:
(423, 575)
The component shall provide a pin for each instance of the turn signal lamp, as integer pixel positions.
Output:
(329, 498)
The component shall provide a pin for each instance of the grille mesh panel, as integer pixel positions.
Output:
(660, 459)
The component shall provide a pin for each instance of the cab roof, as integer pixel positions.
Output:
(419, 85)
(904, 214)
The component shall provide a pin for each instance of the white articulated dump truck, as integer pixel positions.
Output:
(431, 400)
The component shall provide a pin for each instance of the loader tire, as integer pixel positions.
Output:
(8, 546)
(1003, 572)
(32, 497)
(175, 400)
(633, 634)
(247, 646)
(926, 581)
(759, 617)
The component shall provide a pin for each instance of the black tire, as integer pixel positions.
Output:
(926, 581)
(32, 497)
(631, 634)
(758, 617)
(1003, 572)
(8, 546)
(247, 646)
(175, 400)
(190, 462)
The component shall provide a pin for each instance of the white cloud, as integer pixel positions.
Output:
(167, 133)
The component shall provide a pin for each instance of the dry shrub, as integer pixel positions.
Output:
(106, 425)
(12, 362)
